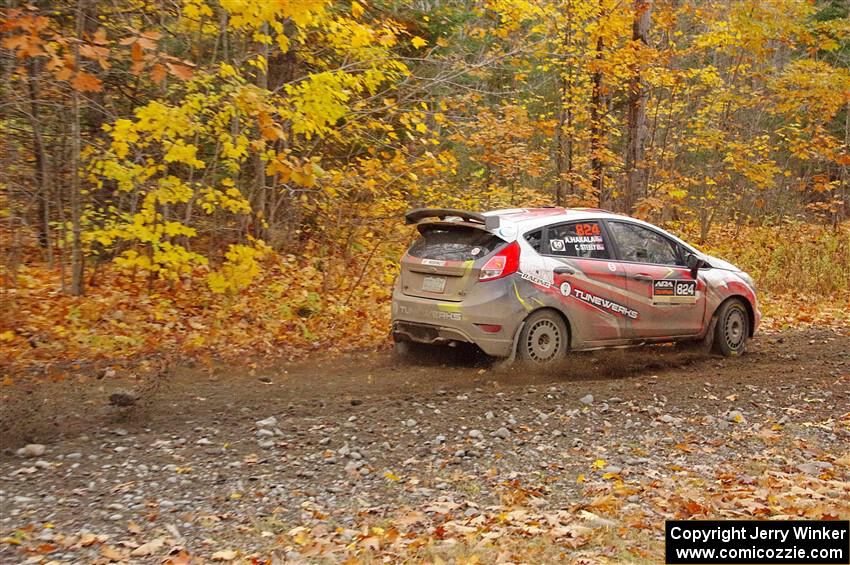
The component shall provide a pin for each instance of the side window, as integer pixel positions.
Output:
(641, 245)
(579, 239)
(534, 238)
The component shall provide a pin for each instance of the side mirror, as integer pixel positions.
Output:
(693, 262)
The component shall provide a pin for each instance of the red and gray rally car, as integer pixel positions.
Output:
(537, 283)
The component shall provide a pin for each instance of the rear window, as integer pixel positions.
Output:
(454, 244)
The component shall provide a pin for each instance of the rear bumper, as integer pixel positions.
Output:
(425, 320)
(427, 333)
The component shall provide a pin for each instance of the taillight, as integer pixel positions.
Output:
(502, 264)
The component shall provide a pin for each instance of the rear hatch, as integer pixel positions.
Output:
(444, 262)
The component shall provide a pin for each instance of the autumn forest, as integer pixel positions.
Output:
(201, 218)
(215, 169)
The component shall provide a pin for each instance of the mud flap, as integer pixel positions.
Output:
(708, 340)
(509, 360)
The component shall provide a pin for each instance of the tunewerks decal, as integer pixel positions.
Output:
(605, 304)
(567, 290)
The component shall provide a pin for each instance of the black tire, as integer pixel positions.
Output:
(732, 329)
(544, 338)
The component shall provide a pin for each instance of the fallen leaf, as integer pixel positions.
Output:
(224, 555)
(112, 554)
(182, 558)
(148, 548)
(87, 539)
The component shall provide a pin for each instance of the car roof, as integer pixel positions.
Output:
(517, 221)
(530, 218)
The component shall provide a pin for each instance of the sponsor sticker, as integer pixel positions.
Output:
(567, 290)
(439, 315)
(584, 242)
(674, 291)
(583, 239)
(605, 304)
(536, 280)
(578, 239)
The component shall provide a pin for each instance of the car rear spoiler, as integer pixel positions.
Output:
(419, 214)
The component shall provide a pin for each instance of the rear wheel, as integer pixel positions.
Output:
(732, 329)
(544, 338)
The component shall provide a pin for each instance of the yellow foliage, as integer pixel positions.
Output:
(241, 267)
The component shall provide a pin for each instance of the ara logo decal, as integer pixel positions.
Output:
(566, 289)
(674, 291)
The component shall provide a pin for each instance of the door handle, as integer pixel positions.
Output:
(564, 271)
(642, 277)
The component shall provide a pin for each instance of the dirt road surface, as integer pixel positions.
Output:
(234, 457)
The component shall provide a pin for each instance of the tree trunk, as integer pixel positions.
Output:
(597, 110)
(635, 171)
(40, 154)
(564, 134)
(261, 208)
(77, 266)
(563, 139)
(844, 211)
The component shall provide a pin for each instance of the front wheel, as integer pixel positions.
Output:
(732, 329)
(544, 338)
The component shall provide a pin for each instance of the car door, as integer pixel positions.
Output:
(590, 281)
(669, 302)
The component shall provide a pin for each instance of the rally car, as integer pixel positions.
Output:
(537, 283)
